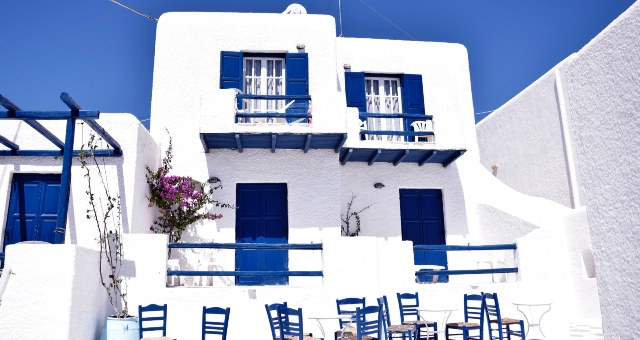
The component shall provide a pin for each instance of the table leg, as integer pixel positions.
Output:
(533, 326)
(321, 329)
(445, 319)
(540, 321)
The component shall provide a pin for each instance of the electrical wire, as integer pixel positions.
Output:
(385, 18)
(318, 6)
(134, 11)
(479, 113)
(325, 10)
(351, 22)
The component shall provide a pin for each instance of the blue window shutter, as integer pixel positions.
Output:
(412, 99)
(297, 81)
(231, 70)
(354, 90)
(297, 77)
(412, 94)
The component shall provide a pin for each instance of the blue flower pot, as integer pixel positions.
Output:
(120, 329)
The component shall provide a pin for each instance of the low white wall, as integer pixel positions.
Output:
(360, 266)
(583, 292)
(54, 293)
(604, 104)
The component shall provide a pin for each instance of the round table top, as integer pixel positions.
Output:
(330, 317)
(437, 309)
(531, 303)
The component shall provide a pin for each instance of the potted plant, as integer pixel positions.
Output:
(105, 212)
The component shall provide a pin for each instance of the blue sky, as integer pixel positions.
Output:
(102, 54)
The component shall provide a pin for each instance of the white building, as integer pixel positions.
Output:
(292, 173)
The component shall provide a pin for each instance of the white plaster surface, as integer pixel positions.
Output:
(604, 104)
(533, 160)
(445, 75)
(600, 90)
(54, 293)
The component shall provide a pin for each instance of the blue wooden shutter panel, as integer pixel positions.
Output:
(297, 81)
(231, 70)
(297, 77)
(412, 94)
(412, 99)
(354, 90)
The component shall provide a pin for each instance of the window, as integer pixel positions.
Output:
(263, 76)
(391, 94)
(383, 96)
(267, 74)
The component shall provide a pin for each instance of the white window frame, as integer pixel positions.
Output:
(261, 105)
(383, 99)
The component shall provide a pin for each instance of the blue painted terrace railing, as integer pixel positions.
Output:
(246, 246)
(441, 248)
(299, 103)
(405, 133)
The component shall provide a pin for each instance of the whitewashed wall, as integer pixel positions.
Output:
(54, 292)
(187, 101)
(534, 161)
(446, 84)
(600, 88)
(603, 91)
(187, 98)
(126, 173)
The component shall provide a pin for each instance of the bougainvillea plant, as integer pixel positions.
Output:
(181, 200)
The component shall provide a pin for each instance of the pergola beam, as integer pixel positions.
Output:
(49, 115)
(11, 145)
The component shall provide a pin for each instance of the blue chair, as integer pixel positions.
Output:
(393, 331)
(291, 327)
(368, 324)
(474, 310)
(409, 315)
(274, 322)
(502, 325)
(153, 319)
(215, 327)
(347, 307)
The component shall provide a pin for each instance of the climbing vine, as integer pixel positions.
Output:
(105, 212)
(346, 219)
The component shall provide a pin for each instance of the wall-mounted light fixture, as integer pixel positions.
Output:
(214, 180)
(347, 66)
(300, 46)
(378, 185)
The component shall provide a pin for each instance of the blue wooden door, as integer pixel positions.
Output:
(422, 221)
(262, 217)
(33, 208)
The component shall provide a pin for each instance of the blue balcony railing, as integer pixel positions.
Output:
(445, 248)
(245, 246)
(1, 260)
(407, 120)
(295, 108)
